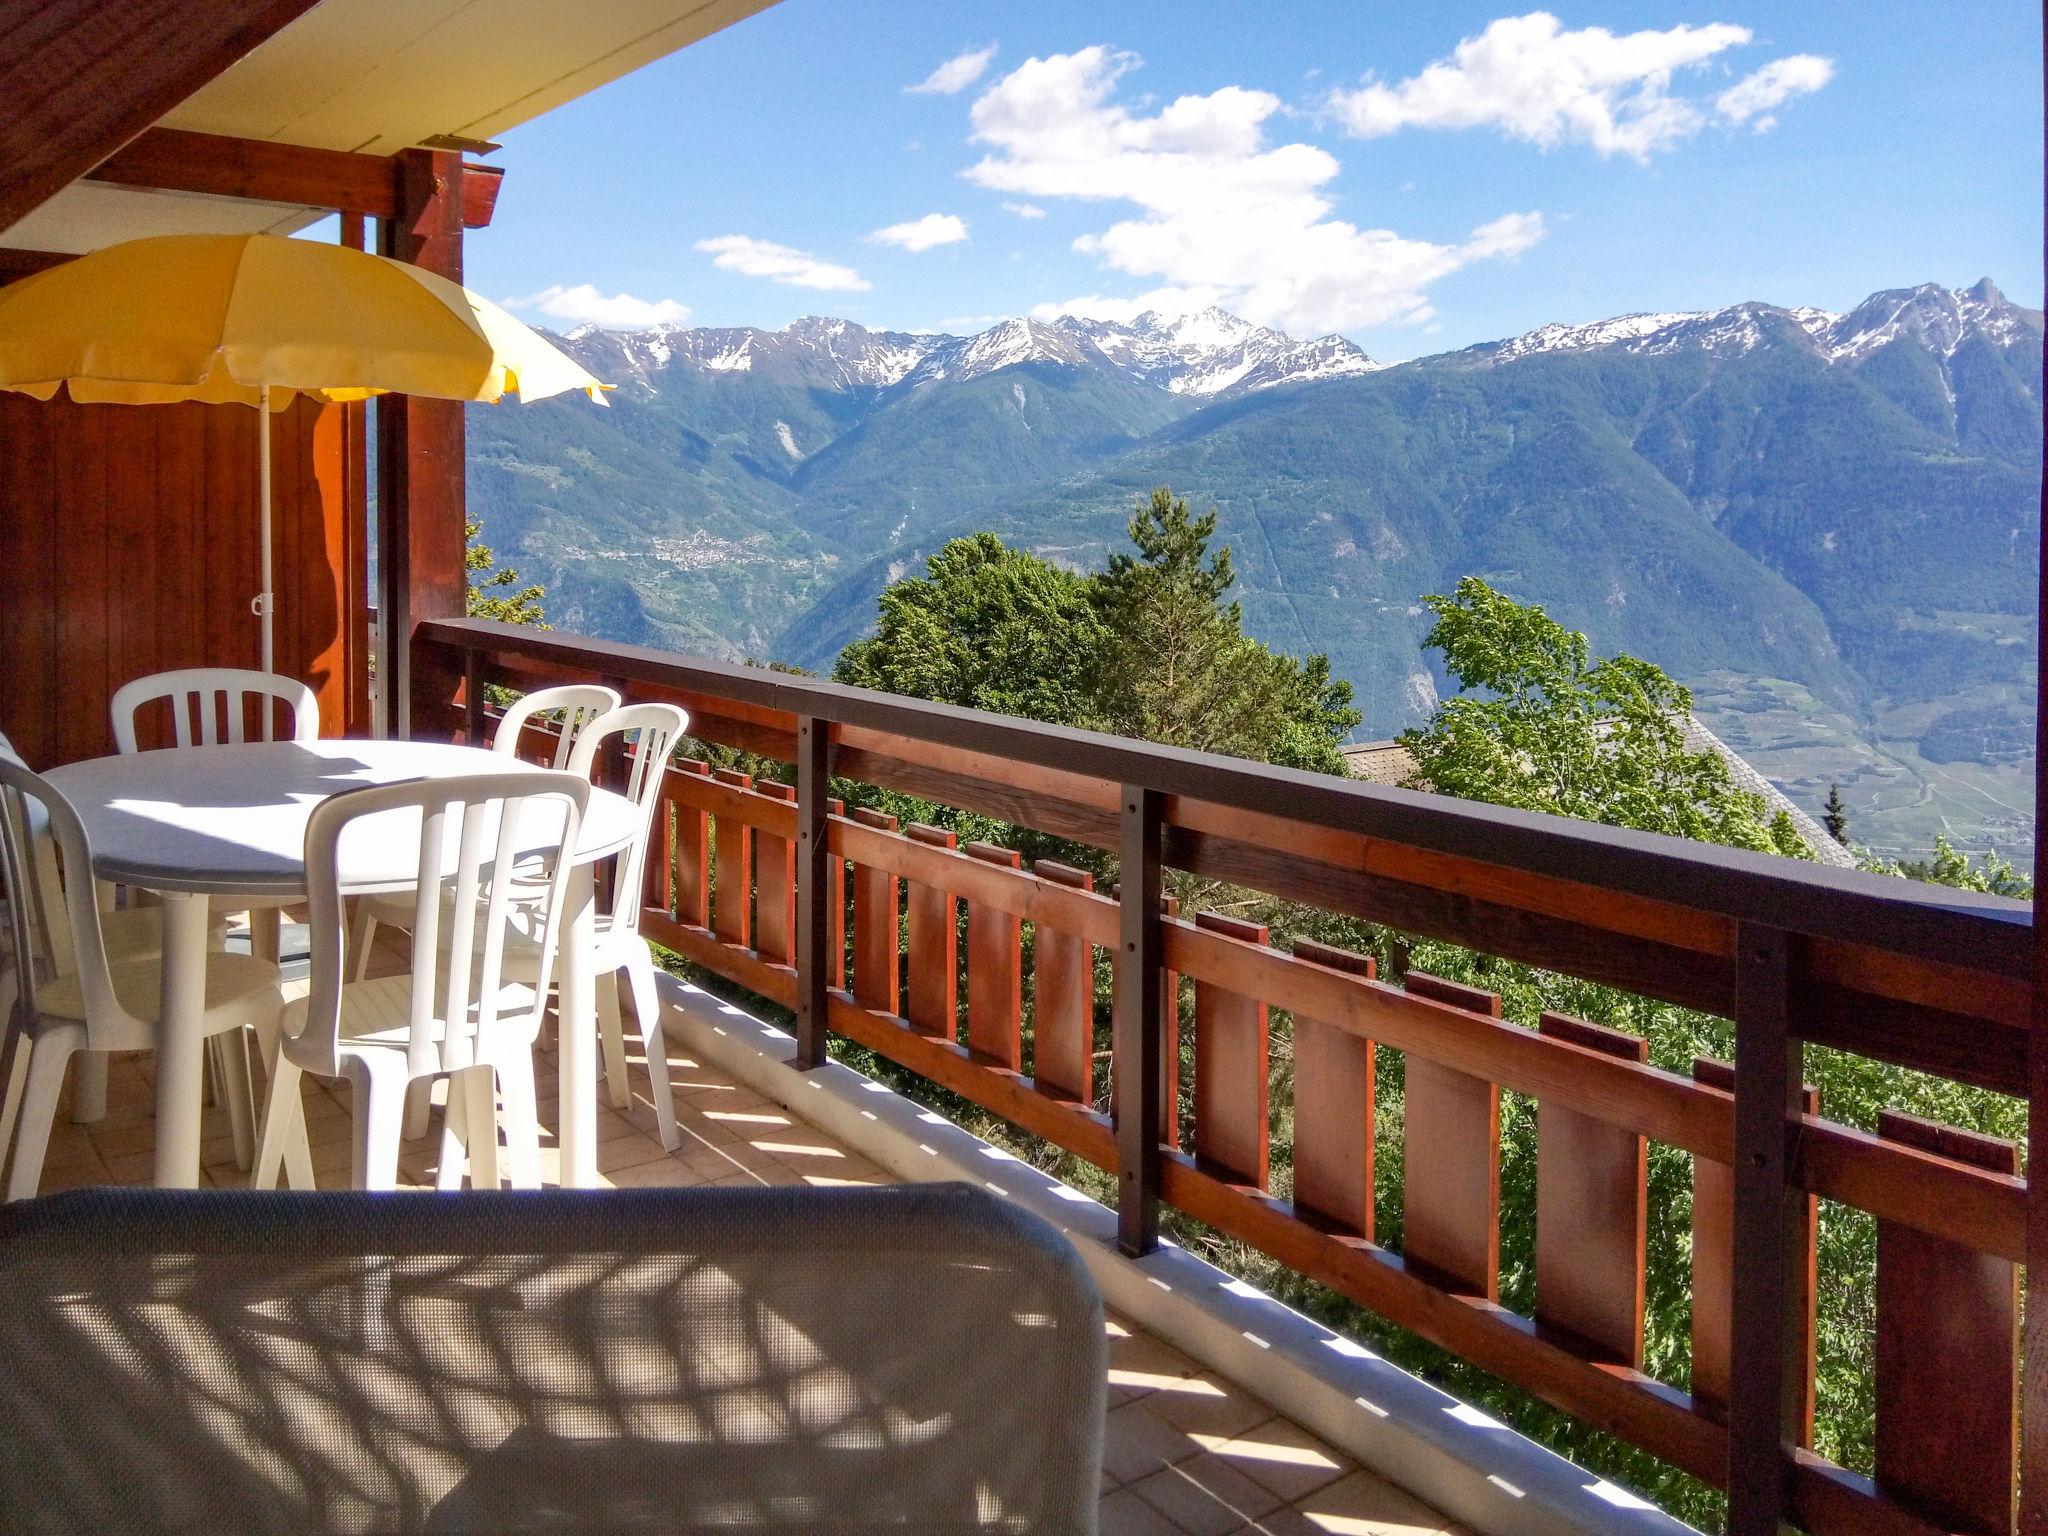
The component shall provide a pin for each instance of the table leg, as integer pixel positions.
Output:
(89, 1087)
(180, 1050)
(577, 1007)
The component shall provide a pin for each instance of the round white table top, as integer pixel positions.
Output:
(231, 821)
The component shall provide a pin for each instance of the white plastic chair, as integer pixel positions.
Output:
(209, 706)
(579, 704)
(455, 1015)
(200, 696)
(100, 1003)
(618, 945)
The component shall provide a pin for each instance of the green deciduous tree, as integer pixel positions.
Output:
(1148, 647)
(986, 627)
(1542, 725)
(1949, 865)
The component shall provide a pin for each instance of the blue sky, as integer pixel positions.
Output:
(1418, 177)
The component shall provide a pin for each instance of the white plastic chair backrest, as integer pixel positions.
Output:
(579, 704)
(25, 794)
(509, 832)
(46, 927)
(656, 728)
(200, 695)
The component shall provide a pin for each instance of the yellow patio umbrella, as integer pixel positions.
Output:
(257, 319)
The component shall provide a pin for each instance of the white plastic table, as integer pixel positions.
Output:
(196, 822)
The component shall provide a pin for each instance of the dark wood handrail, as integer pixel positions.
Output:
(1936, 923)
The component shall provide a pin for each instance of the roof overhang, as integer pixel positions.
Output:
(375, 77)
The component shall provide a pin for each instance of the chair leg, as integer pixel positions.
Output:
(89, 1088)
(236, 1089)
(613, 1034)
(266, 933)
(46, 1064)
(359, 943)
(647, 1013)
(522, 1119)
(419, 1107)
(479, 1090)
(298, 1145)
(378, 1109)
(283, 1124)
(454, 1162)
(15, 1054)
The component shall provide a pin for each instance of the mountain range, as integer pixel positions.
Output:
(1827, 524)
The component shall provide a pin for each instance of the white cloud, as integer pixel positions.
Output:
(1533, 80)
(780, 264)
(1025, 210)
(584, 305)
(922, 234)
(1759, 95)
(955, 75)
(1223, 216)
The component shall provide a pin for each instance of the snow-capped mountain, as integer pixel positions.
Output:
(1936, 318)
(1215, 353)
(1202, 356)
(816, 351)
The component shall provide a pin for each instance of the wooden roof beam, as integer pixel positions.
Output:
(80, 78)
(173, 160)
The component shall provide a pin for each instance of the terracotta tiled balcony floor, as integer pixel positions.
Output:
(1185, 1452)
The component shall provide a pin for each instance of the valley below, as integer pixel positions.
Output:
(1827, 525)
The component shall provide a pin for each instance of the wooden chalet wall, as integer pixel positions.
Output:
(129, 544)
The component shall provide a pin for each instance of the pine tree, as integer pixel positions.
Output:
(1836, 817)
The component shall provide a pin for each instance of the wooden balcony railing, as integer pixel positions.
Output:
(779, 891)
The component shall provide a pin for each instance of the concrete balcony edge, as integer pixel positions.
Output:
(1474, 1469)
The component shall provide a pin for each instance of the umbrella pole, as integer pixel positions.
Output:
(264, 602)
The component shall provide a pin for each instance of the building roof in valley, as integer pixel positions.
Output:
(1388, 762)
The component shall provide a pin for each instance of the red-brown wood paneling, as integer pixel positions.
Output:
(130, 541)
(1450, 1150)
(995, 972)
(932, 998)
(1948, 1333)
(692, 858)
(1333, 1106)
(732, 865)
(877, 926)
(1063, 999)
(1592, 1210)
(775, 887)
(1231, 1073)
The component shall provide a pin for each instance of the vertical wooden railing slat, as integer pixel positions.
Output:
(1334, 1105)
(1137, 1037)
(877, 928)
(732, 868)
(1450, 1154)
(1765, 1374)
(1063, 999)
(692, 900)
(932, 1003)
(995, 972)
(1232, 1069)
(775, 886)
(1713, 1268)
(1947, 1356)
(836, 905)
(1592, 1210)
(810, 874)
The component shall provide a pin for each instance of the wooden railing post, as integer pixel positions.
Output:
(1767, 1348)
(813, 889)
(472, 698)
(1137, 1044)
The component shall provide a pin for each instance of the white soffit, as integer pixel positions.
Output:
(379, 76)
